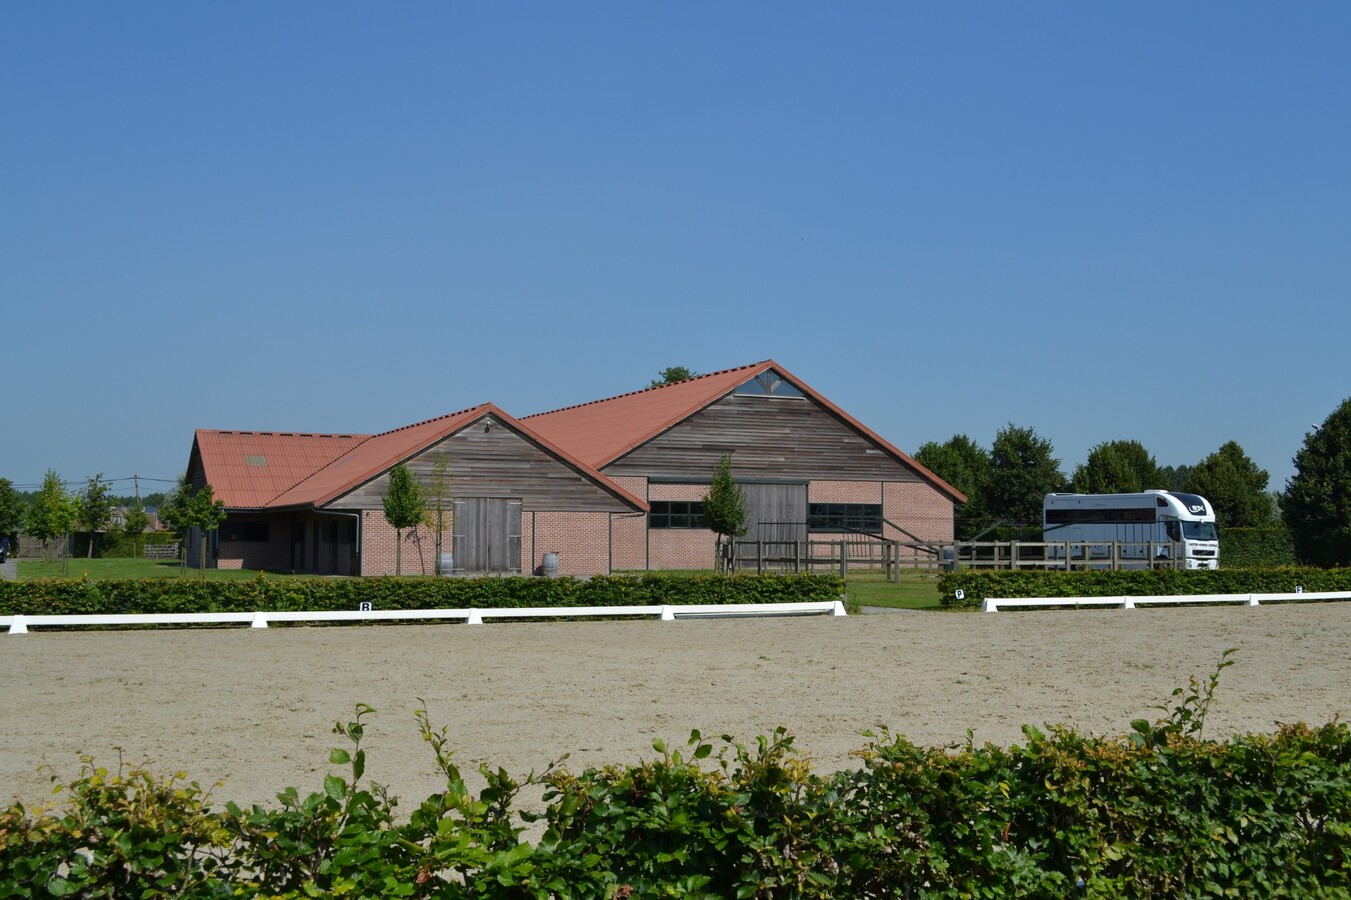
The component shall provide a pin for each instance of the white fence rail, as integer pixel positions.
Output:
(994, 604)
(21, 623)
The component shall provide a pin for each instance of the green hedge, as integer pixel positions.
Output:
(976, 585)
(52, 596)
(1159, 812)
(1267, 546)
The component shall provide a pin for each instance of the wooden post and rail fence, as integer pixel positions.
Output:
(892, 557)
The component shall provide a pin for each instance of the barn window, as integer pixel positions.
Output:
(862, 518)
(768, 384)
(676, 514)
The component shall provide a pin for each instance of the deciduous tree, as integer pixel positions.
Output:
(11, 509)
(1117, 467)
(1317, 501)
(1235, 487)
(94, 509)
(725, 509)
(1022, 473)
(965, 465)
(403, 508)
(51, 514)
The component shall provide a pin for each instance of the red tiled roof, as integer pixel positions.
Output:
(372, 456)
(256, 470)
(602, 431)
(247, 469)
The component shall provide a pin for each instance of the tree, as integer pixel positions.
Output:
(673, 375)
(1022, 473)
(12, 507)
(51, 514)
(1174, 478)
(1235, 487)
(437, 497)
(1317, 501)
(94, 509)
(185, 509)
(205, 513)
(1117, 467)
(403, 508)
(965, 465)
(724, 507)
(135, 523)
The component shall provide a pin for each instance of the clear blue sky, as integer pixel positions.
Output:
(1101, 221)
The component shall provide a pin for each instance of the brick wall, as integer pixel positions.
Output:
(378, 546)
(918, 508)
(845, 492)
(581, 540)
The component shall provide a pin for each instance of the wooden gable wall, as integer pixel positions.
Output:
(488, 459)
(768, 438)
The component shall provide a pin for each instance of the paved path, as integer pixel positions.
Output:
(9, 569)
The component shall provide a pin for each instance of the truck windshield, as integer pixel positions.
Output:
(1199, 531)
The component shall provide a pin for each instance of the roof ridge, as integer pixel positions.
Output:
(467, 409)
(655, 387)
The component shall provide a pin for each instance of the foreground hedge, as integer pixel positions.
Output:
(976, 585)
(57, 596)
(1160, 812)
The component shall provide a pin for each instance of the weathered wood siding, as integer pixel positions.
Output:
(768, 438)
(487, 536)
(496, 462)
(776, 512)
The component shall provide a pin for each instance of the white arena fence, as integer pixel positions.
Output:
(20, 624)
(994, 604)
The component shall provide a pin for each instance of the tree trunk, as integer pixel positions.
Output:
(398, 552)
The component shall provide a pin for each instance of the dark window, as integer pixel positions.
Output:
(863, 518)
(1099, 516)
(247, 532)
(676, 514)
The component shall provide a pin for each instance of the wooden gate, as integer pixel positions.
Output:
(776, 512)
(486, 536)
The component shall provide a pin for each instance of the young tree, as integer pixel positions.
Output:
(1235, 486)
(438, 497)
(403, 508)
(94, 509)
(965, 465)
(1117, 467)
(205, 513)
(673, 375)
(135, 523)
(52, 512)
(724, 507)
(1022, 473)
(1317, 501)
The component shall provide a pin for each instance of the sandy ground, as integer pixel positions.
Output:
(256, 708)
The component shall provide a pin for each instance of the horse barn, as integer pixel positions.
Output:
(610, 485)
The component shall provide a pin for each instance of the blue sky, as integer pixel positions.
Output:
(1099, 221)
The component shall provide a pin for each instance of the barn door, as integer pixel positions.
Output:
(486, 536)
(776, 512)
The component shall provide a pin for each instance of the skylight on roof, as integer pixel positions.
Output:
(255, 459)
(768, 384)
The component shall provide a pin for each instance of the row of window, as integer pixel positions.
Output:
(864, 518)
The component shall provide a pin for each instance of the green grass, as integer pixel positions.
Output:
(99, 569)
(915, 590)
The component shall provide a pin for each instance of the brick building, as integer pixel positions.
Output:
(610, 485)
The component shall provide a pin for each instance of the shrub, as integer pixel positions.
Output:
(264, 594)
(976, 585)
(1157, 812)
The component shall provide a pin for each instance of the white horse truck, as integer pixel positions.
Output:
(1148, 526)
